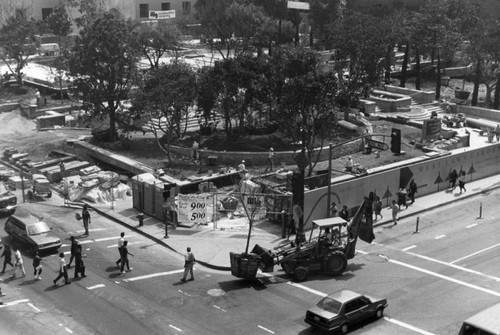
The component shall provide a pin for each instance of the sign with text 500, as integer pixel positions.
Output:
(195, 208)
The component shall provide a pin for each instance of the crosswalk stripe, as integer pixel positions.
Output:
(153, 275)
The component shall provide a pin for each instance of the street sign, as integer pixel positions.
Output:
(161, 14)
(378, 145)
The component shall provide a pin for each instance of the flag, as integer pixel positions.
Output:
(359, 227)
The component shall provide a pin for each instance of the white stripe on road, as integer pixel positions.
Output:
(98, 240)
(471, 225)
(68, 330)
(12, 303)
(220, 308)
(453, 280)
(407, 326)
(152, 275)
(90, 230)
(35, 308)
(409, 248)
(267, 330)
(439, 237)
(174, 327)
(475, 253)
(95, 286)
(116, 245)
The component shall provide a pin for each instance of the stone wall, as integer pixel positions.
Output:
(420, 96)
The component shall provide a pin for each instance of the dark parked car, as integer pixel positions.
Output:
(31, 232)
(342, 309)
(8, 201)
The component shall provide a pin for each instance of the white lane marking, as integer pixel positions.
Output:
(178, 329)
(68, 330)
(220, 308)
(453, 280)
(475, 253)
(12, 303)
(98, 240)
(83, 231)
(67, 252)
(267, 330)
(409, 248)
(35, 308)
(116, 245)
(471, 225)
(439, 237)
(182, 292)
(405, 325)
(153, 275)
(95, 286)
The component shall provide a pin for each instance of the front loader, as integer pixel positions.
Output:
(327, 253)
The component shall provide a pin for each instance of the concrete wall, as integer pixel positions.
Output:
(390, 104)
(421, 96)
(484, 113)
(49, 121)
(458, 72)
(430, 174)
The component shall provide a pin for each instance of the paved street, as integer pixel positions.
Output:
(433, 280)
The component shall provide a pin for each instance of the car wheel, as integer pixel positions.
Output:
(379, 313)
(301, 274)
(335, 263)
(344, 328)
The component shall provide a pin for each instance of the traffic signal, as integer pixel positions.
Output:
(396, 141)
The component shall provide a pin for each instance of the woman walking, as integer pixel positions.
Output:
(461, 182)
(37, 266)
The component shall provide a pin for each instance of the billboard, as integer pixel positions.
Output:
(161, 14)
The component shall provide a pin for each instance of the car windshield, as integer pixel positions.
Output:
(38, 228)
(330, 305)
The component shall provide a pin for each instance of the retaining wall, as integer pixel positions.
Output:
(421, 96)
(430, 173)
(390, 104)
(484, 113)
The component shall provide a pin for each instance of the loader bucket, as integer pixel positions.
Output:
(266, 256)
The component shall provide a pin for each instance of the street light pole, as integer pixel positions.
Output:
(329, 195)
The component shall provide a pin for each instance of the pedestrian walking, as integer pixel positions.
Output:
(453, 179)
(86, 218)
(270, 160)
(497, 132)
(7, 254)
(344, 213)
(1, 295)
(333, 210)
(74, 245)
(394, 210)
(37, 266)
(402, 197)
(63, 270)
(121, 240)
(124, 254)
(461, 182)
(378, 208)
(79, 265)
(18, 264)
(412, 190)
(188, 264)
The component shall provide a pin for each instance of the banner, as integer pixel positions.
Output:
(196, 208)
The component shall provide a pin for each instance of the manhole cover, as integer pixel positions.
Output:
(376, 258)
(216, 292)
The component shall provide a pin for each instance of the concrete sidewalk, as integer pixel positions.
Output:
(213, 245)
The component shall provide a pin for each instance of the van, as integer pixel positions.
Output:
(486, 322)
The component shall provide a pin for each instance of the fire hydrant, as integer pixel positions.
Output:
(140, 217)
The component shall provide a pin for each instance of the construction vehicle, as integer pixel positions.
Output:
(41, 187)
(326, 253)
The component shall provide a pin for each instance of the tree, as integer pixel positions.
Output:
(207, 91)
(17, 38)
(164, 101)
(154, 42)
(59, 22)
(89, 10)
(307, 98)
(103, 65)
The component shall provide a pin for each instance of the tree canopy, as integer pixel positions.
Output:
(103, 65)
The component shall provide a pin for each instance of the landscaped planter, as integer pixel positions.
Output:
(244, 265)
(461, 94)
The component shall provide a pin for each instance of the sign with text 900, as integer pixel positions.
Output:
(195, 208)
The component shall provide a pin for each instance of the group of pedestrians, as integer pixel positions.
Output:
(460, 177)
(402, 200)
